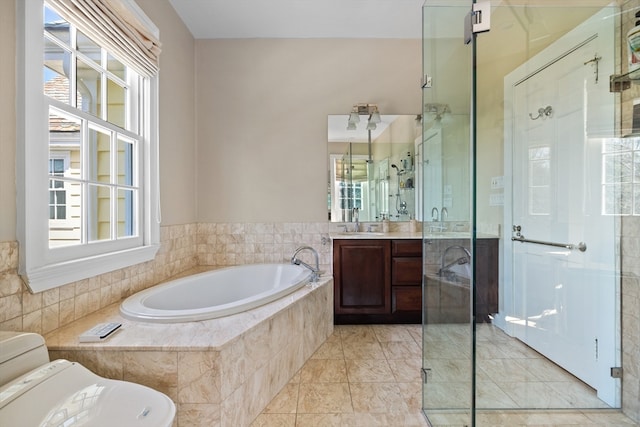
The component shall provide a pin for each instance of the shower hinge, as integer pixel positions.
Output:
(477, 21)
(616, 372)
(426, 374)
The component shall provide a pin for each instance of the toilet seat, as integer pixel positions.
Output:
(63, 393)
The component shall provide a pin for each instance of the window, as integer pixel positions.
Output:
(621, 176)
(88, 128)
(57, 191)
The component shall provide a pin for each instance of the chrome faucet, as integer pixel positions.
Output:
(435, 219)
(436, 216)
(465, 259)
(315, 272)
(356, 218)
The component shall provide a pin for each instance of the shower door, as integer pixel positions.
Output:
(448, 325)
(516, 360)
(563, 247)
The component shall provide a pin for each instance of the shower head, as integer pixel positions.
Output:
(398, 170)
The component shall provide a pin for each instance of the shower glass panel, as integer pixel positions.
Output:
(526, 115)
(446, 170)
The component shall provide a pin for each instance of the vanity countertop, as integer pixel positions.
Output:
(341, 235)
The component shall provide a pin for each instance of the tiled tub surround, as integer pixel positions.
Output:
(182, 247)
(220, 372)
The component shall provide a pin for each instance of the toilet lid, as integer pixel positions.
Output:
(62, 393)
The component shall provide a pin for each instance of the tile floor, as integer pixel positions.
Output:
(369, 375)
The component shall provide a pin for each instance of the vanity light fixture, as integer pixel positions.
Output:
(437, 110)
(354, 117)
(370, 110)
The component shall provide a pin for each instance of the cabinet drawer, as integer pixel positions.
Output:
(406, 298)
(406, 271)
(406, 247)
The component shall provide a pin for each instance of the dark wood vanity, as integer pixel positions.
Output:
(379, 280)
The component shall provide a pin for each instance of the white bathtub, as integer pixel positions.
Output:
(215, 293)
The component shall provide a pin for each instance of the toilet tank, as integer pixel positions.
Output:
(20, 352)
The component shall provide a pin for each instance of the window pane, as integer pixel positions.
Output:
(125, 163)
(126, 213)
(116, 67)
(618, 168)
(99, 216)
(86, 46)
(99, 156)
(55, 25)
(539, 200)
(116, 96)
(56, 80)
(617, 199)
(90, 88)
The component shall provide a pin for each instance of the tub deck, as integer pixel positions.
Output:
(219, 372)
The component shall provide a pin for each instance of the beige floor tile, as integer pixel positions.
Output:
(506, 370)
(324, 398)
(499, 419)
(369, 370)
(578, 395)
(450, 396)
(556, 418)
(369, 376)
(319, 420)
(406, 370)
(401, 349)
(446, 350)
(445, 370)
(362, 350)
(377, 398)
(609, 417)
(357, 333)
(412, 395)
(536, 395)
(489, 395)
(386, 333)
(324, 371)
(545, 370)
(329, 350)
(275, 420)
(285, 402)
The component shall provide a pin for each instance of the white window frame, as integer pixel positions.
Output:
(43, 267)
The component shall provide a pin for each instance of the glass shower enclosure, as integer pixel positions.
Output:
(527, 168)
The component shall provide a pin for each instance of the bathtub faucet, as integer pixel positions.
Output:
(465, 259)
(315, 272)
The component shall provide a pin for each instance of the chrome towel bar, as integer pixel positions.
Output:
(582, 246)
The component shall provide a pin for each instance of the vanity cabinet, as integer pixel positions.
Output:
(406, 276)
(377, 280)
(362, 279)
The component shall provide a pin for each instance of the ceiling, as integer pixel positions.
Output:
(221, 19)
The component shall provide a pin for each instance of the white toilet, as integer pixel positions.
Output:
(37, 392)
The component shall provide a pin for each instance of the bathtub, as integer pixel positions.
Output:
(214, 293)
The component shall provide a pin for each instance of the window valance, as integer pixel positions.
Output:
(119, 25)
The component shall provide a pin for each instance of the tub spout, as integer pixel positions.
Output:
(315, 272)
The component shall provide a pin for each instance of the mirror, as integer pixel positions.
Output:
(373, 170)
(381, 172)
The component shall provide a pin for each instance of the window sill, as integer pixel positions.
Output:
(53, 275)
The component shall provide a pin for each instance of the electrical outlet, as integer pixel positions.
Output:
(496, 199)
(497, 182)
